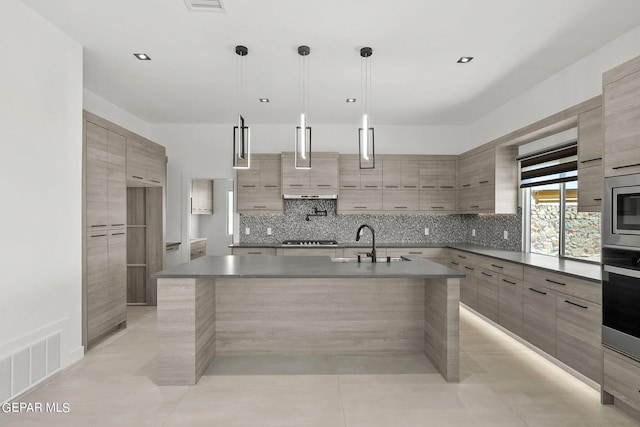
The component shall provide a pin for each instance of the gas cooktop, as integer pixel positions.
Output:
(310, 243)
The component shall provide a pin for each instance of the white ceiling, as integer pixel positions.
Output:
(416, 43)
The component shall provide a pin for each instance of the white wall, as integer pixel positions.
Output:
(105, 109)
(576, 83)
(40, 182)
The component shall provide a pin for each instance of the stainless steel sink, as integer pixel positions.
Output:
(380, 260)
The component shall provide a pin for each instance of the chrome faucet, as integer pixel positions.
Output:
(372, 254)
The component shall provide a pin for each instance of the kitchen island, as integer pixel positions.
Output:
(234, 305)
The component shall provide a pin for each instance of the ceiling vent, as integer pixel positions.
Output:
(205, 5)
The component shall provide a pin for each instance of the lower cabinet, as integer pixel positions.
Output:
(510, 304)
(622, 378)
(307, 251)
(539, 318)
(579, 335)
(488, 294)
(198, 249)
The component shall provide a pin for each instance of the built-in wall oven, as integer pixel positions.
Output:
(621, 265)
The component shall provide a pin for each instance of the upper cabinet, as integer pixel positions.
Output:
(438, 184)
(488, 181)
(590, 154)
(321, 179)
(400, 174)
(146, 162)
(621, 95)
(360, 189)
(202, 196)
(259, 187)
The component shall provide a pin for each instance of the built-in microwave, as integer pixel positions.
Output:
(621, 221)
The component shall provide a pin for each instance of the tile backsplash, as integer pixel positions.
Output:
(489, 229)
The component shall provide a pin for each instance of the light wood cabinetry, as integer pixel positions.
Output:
(110, 237)
(510, 303)
(146, 162)
(307, 251)
(321, 179)
(621, 91)
(488, 181)
(539, 318)
(400, 200)
(202, 196)
(488, 293)
(400, 174)
(439, 255)
(579, 339)
(253, 251)
(466, 263)
(438, 185)
(590, 167)
(565, 284)
(622, 378)
(360, 189)
(198, 248)
(259, 188)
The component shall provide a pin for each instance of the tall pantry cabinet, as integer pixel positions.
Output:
(105, 225)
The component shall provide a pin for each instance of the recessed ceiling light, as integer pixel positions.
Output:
(264, 100)
(351, 100)
(142, 56)
(465, 59)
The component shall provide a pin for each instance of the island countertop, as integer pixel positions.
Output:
(266, 266)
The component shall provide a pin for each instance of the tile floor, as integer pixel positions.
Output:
(503, 384)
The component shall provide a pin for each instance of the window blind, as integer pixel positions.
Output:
(550, 166)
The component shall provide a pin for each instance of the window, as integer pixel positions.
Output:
(230, 213)
(553, 225)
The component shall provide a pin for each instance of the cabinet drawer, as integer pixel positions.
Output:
(579, 335)
(437, 201)
(360, 200)
(464, 257)
(253, 251)
(400, 200)
(422, 252)
(622, 378)
(505, 268)
(198, 249)
(307, 251)
(590, 291)
(510, 303)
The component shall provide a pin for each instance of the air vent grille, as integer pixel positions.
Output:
(205, 5)
(5, 379)
(38, 362)
(20, 372)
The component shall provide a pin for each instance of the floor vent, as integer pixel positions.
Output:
(29, 366)
(205, 5)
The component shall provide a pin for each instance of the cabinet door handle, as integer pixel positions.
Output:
(101, 225)
(556, 283)
(626, 166)
(415, 253)
(462, 256)
(483, 182)
(117, 234)
(260, 207)
(390, 186)
(509, 282)
(254, 253)
(446, 186)
(496, 266)
(156, 181)
(437, 207)
(486, 274)
(137, 177)
(400, 207)
(591, 160)
(117, 225)
(537, 291)
(577, 305)
(348, 186)
(428, 186)
(475, 206)
(270, 186)
(455, 263)
(360, 207)
(410, 186)
(599, 199)
(295, 185)
(370, 186)
(248, 186)
(469, 268)
(323, 185)
(99, 235)
(466, 185)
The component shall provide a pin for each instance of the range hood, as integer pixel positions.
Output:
(307, 196)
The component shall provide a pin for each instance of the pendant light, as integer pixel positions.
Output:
(241, 132)
(302, 147)
(366, 133)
